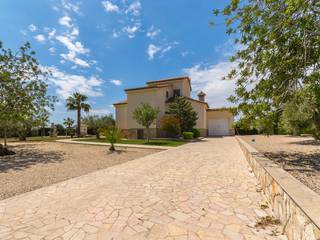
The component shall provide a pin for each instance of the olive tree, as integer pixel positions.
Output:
(23, 91)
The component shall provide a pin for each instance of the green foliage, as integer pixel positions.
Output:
(187, 135)
(171, 125)
(68, 122)
(60, 129)
(78, 102)
(96, 122)
(182, 109)
(196, 133)
(112, 134)
(23, 91)
(145, 115)
(278, 58)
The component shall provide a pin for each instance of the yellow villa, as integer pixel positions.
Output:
(211, 122)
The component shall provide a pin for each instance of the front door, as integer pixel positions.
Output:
(140, 134)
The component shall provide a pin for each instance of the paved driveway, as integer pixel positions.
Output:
(197, 191)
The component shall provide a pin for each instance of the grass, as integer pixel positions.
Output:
(154, 142)
(36, 139)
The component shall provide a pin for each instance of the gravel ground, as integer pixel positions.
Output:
(44, 163)
(300, 156)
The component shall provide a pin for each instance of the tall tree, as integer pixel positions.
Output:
(78, 102)
(182, 109)
(23, 91)
(279, 57)
(96, 122)
(145, 115)
(68, 122)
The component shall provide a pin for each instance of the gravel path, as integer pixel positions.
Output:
(300, 156)
(43, 163)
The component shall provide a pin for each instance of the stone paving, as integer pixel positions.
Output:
(196, 191)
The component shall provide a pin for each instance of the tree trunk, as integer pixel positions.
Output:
(43, 131)
(148, 134)
(112, 147)
(316, 121)
(78, 122)
(5, 137)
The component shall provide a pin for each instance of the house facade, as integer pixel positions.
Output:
(211, 122)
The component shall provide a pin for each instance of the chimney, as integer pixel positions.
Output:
(202, 96)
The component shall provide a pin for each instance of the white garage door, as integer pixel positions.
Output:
(218, 127)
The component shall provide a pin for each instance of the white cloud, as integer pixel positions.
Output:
(152, 51)
(152, 32)
(110, 7)
(102, 111)
(76, 47)
(72, 57)
(40, 38)
(71, 7)
(66, 21)
(134, 8)
(75, 31)
(52, 49)
(209, 80)
(52, 33)
(67, 84)
(32, 28)
(131, 31)
(116, 82)
(115, 34)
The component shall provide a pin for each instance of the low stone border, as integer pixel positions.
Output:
(116, 145)
(294, 204)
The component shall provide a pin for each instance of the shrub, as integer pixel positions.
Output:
(196, 133)
(171, 125)
(187, 135)
(112, 135)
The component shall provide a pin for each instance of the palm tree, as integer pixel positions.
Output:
(78, 102)
(68, 122)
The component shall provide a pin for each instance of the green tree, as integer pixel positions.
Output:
(78, 102)
(279, 55)
(182, 109)
(296, 116)
(68, 122)
(171, 125)
(23, 91)
(145, 115)
(96, 122)
(112, 135)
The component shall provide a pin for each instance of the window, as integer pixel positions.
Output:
(176, 92)
(167, 94)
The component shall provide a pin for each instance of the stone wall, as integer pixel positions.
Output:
(294, 204)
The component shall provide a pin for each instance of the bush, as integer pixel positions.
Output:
(196, 133)
(187, 135)
(171, 125)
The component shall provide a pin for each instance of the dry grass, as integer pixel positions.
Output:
(300, 156)
(40, 164)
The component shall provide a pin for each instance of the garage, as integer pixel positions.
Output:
(218, 127)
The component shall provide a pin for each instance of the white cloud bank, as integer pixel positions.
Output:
(32, 28)
(40, 38)
(110, 7)
(66, 84)
(209, 80)
(116, 82)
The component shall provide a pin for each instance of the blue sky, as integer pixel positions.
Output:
(101, 47)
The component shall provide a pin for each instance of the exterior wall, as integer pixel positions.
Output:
(122, 116)
(183, 85)
(200, 109)
(216, 114)
(132, 133)
(155, 97)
